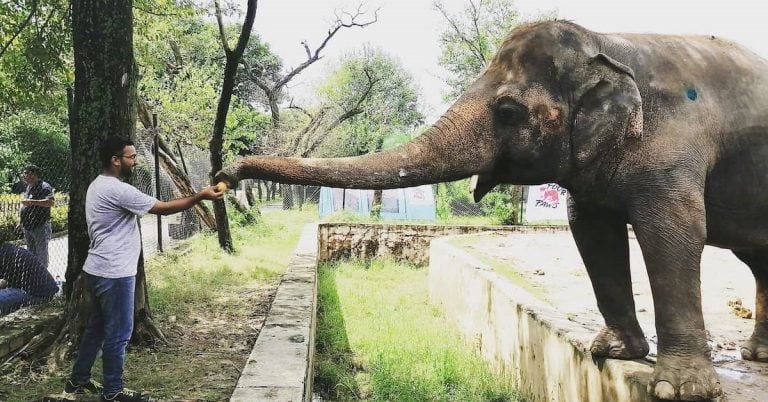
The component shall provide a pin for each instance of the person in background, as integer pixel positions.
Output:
(112, 209)
(26, 280)
(35, 216)
(19, 187)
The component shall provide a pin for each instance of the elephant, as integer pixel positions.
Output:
(666, 133)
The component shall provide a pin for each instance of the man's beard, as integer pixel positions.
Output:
(126, 173)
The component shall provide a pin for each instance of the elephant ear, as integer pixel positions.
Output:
(607, 112)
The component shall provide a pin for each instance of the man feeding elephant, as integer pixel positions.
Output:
(667, 133)
(109, 273)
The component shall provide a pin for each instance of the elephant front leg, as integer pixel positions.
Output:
(602, 241)
(671, 230)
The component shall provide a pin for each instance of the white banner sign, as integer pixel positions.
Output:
(546, 202)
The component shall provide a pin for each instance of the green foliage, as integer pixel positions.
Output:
(450, 194)
(40, 139)
(37, 64)
(377, 96)
(8, 225)
(471, 38)
(240, 218)
(183, 64)
(501, 207)
(59, 217)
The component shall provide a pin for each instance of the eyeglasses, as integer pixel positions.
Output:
(131, 157)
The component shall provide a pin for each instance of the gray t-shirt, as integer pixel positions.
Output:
(112, 210)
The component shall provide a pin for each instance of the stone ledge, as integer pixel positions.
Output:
(279, 367)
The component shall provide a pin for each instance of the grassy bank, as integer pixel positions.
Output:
(379, 339)
(209, 304)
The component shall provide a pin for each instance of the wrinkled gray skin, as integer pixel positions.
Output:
(667, 133)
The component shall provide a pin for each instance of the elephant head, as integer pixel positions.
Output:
(545, 109)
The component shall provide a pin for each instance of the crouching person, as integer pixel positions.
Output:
(26, 278)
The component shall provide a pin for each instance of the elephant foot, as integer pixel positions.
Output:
(756, 347)
(684, 379)
(617, 343)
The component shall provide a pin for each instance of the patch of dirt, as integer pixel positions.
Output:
(207, 350)
(551, 262)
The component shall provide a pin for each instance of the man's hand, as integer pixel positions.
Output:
(212, 193)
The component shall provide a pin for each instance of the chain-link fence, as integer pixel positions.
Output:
(34, 203)
(34, 199)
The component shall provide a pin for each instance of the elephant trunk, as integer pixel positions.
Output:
(454, 148)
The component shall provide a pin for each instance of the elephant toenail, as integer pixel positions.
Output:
(689, 390)
(762, 356)
(746, 354)
(664, 390)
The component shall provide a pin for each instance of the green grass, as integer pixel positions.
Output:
(205, 301)
(379, 339)
(198, 271)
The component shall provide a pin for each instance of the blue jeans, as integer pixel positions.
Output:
(37, 241)
(11, 299)
(109, 328)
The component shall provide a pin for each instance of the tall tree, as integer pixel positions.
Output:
(217, 137)
(471, 38)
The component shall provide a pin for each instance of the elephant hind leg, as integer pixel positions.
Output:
(756, 347)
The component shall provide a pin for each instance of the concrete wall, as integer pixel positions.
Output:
(540, 349)
(398, 241)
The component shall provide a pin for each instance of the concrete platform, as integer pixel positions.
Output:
(526, 304)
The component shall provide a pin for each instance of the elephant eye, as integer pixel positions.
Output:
(510, 111)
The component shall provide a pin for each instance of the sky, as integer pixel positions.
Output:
(409, 29)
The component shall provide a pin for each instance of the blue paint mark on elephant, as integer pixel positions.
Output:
(692, 94)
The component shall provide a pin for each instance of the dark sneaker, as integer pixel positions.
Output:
(91, 386)
(125, 396)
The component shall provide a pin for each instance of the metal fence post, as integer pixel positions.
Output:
(157, 181)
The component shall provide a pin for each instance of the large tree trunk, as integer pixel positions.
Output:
(104, 104)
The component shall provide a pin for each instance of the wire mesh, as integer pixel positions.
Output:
(34, 252)
(33, 223)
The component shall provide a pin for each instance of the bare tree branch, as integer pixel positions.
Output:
(145, 11)
(337, 25)
(478, 35)
(20, 29)
(301, 109)
(220, 22)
